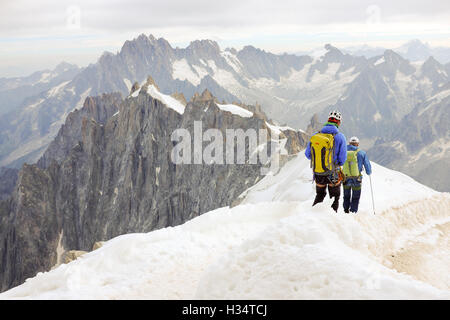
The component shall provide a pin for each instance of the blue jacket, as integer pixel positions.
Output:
(340, 154)
(363, 159)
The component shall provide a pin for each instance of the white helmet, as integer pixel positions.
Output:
(354, 140)
(335, 114)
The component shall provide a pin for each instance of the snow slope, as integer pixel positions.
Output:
(234, 109)
(274, 245)
(169, 101)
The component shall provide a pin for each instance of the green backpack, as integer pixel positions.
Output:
(351, 165)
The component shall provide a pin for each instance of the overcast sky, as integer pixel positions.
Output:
(36, 35)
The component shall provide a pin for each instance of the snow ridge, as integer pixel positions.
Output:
(234, 109)
(273, 245)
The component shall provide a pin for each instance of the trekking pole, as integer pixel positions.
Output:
(371, 189)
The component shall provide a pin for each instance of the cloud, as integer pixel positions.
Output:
(46, 16)
(85, 28)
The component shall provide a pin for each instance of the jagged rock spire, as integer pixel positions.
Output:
(135, 87)
(314, 125)
(152, 82)
(204, 97)
(207, 95)
(180, 97)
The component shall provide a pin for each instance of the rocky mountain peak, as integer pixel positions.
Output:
(314, 125)
(65, 66)
(250, 49)
(415, 42)
(204, 45)
(432, 63)
(144, 45)
(152, 82)
(394, 62)
(106, 57)
(95, 108)
(164, 44)
(415, 49)
(392, 57)
(180, 97)
(332, 50)
(142, 38)
(135, 87)
(203, 49)
(436, 72)
(232, 50)
(333, 54)
(206, 96)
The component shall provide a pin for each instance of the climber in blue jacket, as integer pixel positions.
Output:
(357, 160)
(339, 157)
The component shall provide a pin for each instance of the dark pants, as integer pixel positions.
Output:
(352, 193)
(322, 182)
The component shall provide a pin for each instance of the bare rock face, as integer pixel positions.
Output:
(98, 109)
(314, 125)
(72, 255)
(418, 145)
(29, 226)
(135, 87)
(8, 178)
(110, 172)
(98, 245)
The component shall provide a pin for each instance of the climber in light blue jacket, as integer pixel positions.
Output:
(357, 161)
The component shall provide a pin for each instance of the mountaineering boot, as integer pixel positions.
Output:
(321, 192)
(335, 204)
(336, 193)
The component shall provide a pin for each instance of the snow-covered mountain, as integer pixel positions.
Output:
(386, 91)
(25, 134)
(274, 245)
(32, 110)
(414, 50)
(374, 94)
(364, 50)
(14, 92)
(420, 144)
(287, 87)
(111, 170)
